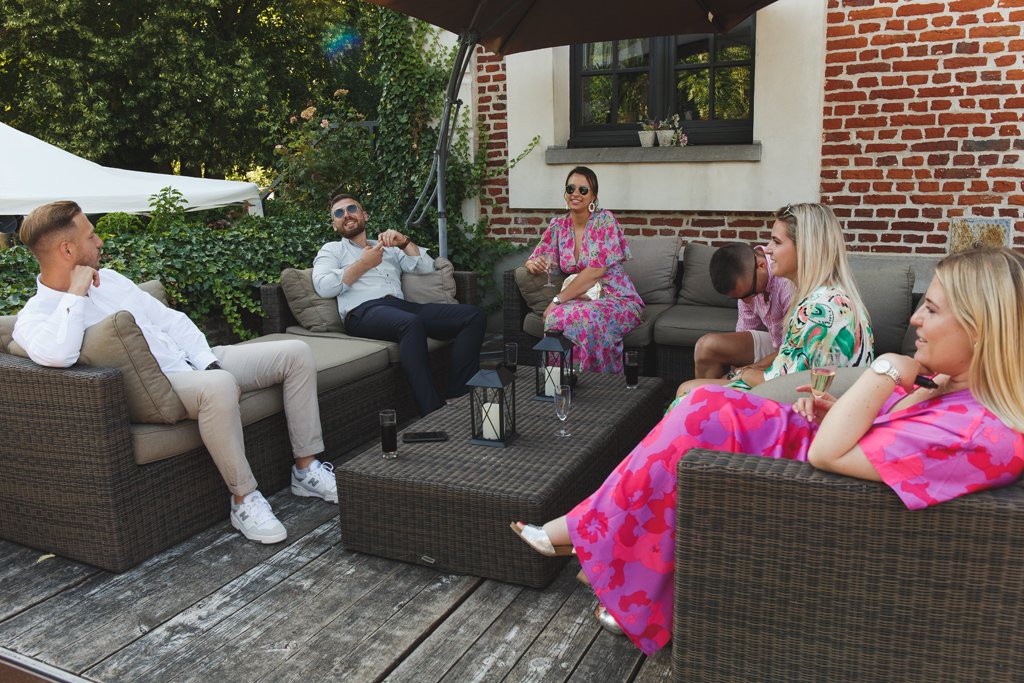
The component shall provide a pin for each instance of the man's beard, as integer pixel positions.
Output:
(354, 231)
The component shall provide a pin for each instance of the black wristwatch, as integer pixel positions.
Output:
(215, 365)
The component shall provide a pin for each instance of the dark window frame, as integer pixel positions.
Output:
(661, 98)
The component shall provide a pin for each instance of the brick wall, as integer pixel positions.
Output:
(924, 104)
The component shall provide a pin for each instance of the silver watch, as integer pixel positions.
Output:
(556, 301)
(883, 367)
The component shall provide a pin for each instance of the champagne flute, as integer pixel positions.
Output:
(823, 371)
(563, 400)
(549, 270)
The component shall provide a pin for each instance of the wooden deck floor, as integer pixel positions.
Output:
(220, 608)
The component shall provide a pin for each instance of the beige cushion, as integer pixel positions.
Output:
(531, 286)
(783, 389)
(641, 335)
(684, 325)
(888, 292)
(155, 289)
(6, 330)
(313, 311)
(696, 287)
(394, 356)
(431, 288)
(652, 267)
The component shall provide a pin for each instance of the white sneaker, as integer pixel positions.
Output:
(255, 519)
(319, 482)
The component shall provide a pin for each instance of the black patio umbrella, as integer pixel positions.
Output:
(509, 26)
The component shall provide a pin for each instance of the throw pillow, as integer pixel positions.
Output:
(313, 312)
(155, 289)
(431, 288)
(697, 289)
(534, 291)
(6, 330)
(652, 267)
(117, 342)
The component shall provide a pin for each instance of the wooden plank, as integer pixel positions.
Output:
(657, 667)
(610, 658)
(82, 626)
(502, 645)
(369, 639)
(553, 656)
(27, 579)
(176, 644)
(443, 647)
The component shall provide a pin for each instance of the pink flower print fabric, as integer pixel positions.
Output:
(595, 327)
(624, 533)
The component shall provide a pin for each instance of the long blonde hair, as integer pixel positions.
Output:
(985, 291)
(820, 254)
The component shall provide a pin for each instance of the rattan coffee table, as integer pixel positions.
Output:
(448, 505)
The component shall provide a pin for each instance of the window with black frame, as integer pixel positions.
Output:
(707, 79)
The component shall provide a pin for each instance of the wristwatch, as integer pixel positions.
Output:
(556, 301)
(883, 367)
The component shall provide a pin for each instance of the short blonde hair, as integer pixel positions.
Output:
(47, 220)
(985, 291)
(820, 253)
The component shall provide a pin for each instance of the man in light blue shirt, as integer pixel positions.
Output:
(366, 278)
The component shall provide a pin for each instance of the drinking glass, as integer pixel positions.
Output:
(550, 268)
(511, 356)
(823, 371)
(388, 434)
(563, 400)
(631, 363)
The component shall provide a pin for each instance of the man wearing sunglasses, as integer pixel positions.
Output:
(366, 278)
(744, 273)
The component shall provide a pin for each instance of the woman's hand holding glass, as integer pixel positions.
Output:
(814, 409)
(537, 265)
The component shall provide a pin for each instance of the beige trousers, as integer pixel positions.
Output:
(211, 398)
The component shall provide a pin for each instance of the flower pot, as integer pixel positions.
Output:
(665, 136)
(646, 137)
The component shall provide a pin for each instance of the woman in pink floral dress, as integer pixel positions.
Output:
(928, 445)
(588, 242)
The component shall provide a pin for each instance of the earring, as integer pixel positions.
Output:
(592, 207)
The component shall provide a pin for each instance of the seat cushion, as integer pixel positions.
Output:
(684, 325)
(311, 310)
(783, 389)
(653, 267)
(696, 288)
(437, 287)
(6, 330)
(391, 347)
(642, 335)
(337, 363)
(531, 286)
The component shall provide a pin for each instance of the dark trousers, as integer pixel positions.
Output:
(409, 324)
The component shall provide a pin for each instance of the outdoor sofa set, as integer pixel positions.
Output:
(99, 465)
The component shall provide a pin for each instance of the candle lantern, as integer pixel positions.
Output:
(492, 407)
(555, 366)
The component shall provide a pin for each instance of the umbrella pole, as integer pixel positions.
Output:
(446, 134)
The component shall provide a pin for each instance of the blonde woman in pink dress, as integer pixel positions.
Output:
(929, 445)
(589, 243)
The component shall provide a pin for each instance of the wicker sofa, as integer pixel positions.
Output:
(82, 481)
(670, 330)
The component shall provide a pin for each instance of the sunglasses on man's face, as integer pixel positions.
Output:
(351, 208)
(584, 190)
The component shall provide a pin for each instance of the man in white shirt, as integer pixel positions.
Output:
(73, 294)
(366, 278)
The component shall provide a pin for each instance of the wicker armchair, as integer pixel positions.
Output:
(786, 573)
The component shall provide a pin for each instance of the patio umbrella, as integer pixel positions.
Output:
(509, 26)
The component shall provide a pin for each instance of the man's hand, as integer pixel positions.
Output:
(81, 278)
(393, 238)
(372, 256)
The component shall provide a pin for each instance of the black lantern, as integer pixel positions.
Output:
(555, 366)
(492, 407)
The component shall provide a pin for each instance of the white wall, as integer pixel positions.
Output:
(789, 76)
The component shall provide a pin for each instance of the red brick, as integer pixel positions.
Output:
(973, 200)
(913, 161)
(940, 49)
(873, 13)
(954, 118)
(957, 173)
(936, 105)
(1005, 61)
(914, 9)
(840, 57)
(969, 5)
(846, 96)
(936, 146)
(917, 79)
(920, 51)
(983, 131)
(928, 186)
(866, 174)
(885, 199)
(860, 188)
(893, 38)
(1005, 186)
(1009, 131)
(847, 43)
(967, 20)
(966, 77)
(942, 35)
(887, 134)
(943, 91)
(840, 30)
(894, 107)
(1004, 89)
(1015, 75)
(918, 24)
(994, 31)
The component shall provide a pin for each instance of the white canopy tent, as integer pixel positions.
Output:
(33, 172)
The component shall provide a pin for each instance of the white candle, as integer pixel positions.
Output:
(550, 381)
(491, 420)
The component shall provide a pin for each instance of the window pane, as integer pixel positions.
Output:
(597, 56)
(634, 53)
(737, 44)
(597, 100)
(733, 92)
(633, 95)
(693, 90)
(693, 49)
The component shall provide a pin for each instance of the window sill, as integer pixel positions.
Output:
(652, 155)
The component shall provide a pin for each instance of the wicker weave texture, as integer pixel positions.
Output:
(785, 573)
(448, 505)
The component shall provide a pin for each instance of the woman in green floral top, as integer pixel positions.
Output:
(807, 248)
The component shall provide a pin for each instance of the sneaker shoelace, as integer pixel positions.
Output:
(256, 508)
(315, 473)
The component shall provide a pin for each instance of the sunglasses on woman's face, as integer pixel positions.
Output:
(351, 208)
(584, 190)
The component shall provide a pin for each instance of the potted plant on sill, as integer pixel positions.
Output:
(647, 133)
(665, 130)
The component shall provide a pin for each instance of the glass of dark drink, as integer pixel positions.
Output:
(511, 356)
(388, 434)
(631, 363)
